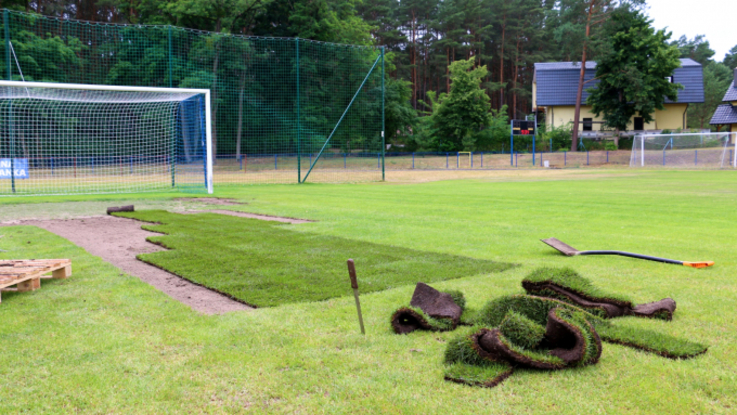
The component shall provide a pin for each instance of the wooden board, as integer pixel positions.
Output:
(26, 274)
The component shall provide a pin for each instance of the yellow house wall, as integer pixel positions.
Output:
(670, 118)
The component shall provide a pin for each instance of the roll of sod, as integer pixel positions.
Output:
(567, 285)
(429, 309)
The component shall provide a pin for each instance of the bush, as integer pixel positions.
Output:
(561, 136)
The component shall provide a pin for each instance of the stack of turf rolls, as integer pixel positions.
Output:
(559, 323)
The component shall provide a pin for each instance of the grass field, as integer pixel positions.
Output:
(103, 342)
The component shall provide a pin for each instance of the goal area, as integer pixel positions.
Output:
(685, 150)
(82, 139)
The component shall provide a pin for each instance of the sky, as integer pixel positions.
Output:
(715, 19)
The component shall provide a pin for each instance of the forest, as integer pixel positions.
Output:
(423, 39)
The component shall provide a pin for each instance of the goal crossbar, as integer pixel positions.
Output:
(115, 88)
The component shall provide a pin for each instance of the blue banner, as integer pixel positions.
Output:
(20, 167)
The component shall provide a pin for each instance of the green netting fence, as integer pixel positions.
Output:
(284, 110)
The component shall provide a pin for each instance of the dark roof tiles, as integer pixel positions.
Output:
(731, 94)
(725, 114)
(557, 82)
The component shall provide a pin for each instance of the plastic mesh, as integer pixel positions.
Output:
(54, 141)
(275, 101)
(685, 150)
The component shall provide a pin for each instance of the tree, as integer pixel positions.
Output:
(730, 59)
(632, 74)
(697, 49)
(717, 78)
(461, 114)
(592, 16)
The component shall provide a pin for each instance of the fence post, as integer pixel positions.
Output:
(565, 158)
(344, 160)
(276, 167)
(299, 147)
(52, 166)
(446, 160)
(663, 157)
(130, 165)
(378, 160)
(9, 68)
(607, 156)
(240, 162)
(482, 159)
(587, 157)
(413, 160)
(383, 122)
(458, 160)
(696, 158)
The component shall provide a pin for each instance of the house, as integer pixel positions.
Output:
(726, 114)
(555, 85)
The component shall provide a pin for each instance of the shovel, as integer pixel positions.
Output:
(568, 250)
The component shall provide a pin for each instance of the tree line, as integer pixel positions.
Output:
(424, 39)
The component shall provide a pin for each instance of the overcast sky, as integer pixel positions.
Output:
(716, 19)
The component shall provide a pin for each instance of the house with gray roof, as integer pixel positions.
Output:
(555, 85)
(726, 114)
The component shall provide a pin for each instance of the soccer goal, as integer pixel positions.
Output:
(83, 139)
(685, 150)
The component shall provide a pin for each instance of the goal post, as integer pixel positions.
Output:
(81, 139)
(705, 150)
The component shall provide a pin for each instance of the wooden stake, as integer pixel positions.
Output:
(354, 285)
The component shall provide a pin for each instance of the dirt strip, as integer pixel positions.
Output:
(118, 241)
(251, 216)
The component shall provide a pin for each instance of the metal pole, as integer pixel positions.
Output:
(533, 150)
(354, 285)
(171, 79)
(383, 126)
(511, 143)
(9, 69)
(299, 146)
(642, 150)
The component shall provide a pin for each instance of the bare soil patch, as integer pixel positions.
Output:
(222, 201)
(282, 219)
(118, 241)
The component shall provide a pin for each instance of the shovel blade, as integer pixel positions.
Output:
(564, 249)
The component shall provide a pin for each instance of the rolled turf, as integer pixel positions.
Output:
(567, 285)
(505, 337)
(429, 309)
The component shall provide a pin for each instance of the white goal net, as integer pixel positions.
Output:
(67, 139)
(685, 150)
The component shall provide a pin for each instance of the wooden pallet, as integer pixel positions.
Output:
(26, 274)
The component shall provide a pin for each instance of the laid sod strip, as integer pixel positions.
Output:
(266, 264)
(429, 309)
(650, 341)
(567, 285)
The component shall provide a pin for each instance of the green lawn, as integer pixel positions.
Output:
(104, 342)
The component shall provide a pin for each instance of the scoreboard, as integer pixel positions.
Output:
(522, 127)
